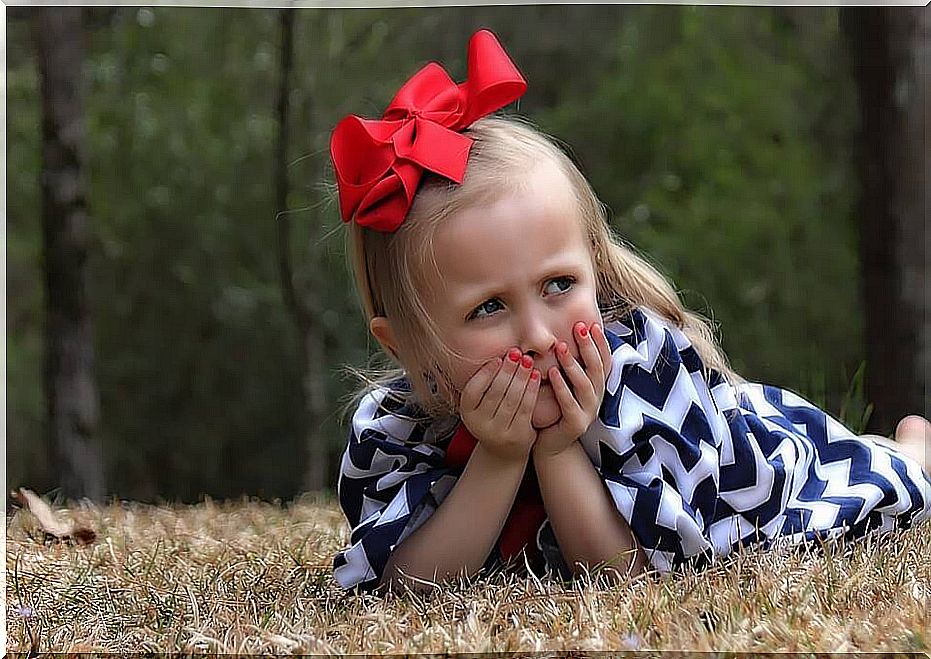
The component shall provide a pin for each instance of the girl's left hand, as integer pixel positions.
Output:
(580, 410)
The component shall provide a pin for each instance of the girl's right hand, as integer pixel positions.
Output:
(497, 403)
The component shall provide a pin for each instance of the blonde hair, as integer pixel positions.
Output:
(390, 269)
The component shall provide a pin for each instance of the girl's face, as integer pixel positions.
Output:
(515, 273)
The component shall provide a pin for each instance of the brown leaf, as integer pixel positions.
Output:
(84, 535)
(50, 523)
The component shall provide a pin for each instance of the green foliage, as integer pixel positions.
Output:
(855, 411)
(719, 136)
(196, 360)
(713, 146)
(24, 277)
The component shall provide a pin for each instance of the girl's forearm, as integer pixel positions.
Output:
(461, 533)
(588, 527)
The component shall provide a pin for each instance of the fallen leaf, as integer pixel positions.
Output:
(50, 523)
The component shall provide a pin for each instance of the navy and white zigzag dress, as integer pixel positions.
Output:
(696, 466)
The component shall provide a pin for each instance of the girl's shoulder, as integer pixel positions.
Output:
(389, 411)
(639, 324)
(654, 343)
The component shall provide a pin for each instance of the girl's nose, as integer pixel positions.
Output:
(537, 337)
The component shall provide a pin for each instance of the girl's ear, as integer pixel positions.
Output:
(381, 329)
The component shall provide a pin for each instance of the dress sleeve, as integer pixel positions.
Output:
(392, 478)
(698, 467)
(657, 437)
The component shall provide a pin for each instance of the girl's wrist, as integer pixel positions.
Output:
(493, 460)
(541, 452)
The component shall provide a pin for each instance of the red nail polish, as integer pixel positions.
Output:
(534, 374)
(526, 361)
(514, 355)
(583, 331)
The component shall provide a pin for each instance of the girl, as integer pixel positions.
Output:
(556, 401)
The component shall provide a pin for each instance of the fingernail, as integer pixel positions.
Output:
(514, 355)
(562, 348)
(526, 361)
(583, 331)
(534, 374)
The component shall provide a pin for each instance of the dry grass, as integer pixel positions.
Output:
(250, 577)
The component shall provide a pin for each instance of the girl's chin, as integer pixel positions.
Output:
(547, 411)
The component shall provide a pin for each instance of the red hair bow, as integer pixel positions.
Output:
(379, 164)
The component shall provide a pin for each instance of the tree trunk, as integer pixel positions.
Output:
(70, 387)
(890, 51)
(305, 307)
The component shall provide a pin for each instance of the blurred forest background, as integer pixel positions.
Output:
(169, 336)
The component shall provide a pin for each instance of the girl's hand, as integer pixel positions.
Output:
(580, 410)
(497, 403)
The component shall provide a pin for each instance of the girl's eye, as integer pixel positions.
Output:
(563, 284)
(487, 306)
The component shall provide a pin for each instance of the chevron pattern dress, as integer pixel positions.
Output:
(696, 466)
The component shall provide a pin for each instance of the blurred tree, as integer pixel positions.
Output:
(70, 386)
(304, 305)
(890, 49)
(27, 454)
(200, 385)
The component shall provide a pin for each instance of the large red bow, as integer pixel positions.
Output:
(379, 164)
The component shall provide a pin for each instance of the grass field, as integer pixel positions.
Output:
(253, 577)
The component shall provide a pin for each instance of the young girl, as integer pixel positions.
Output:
(556, 401)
